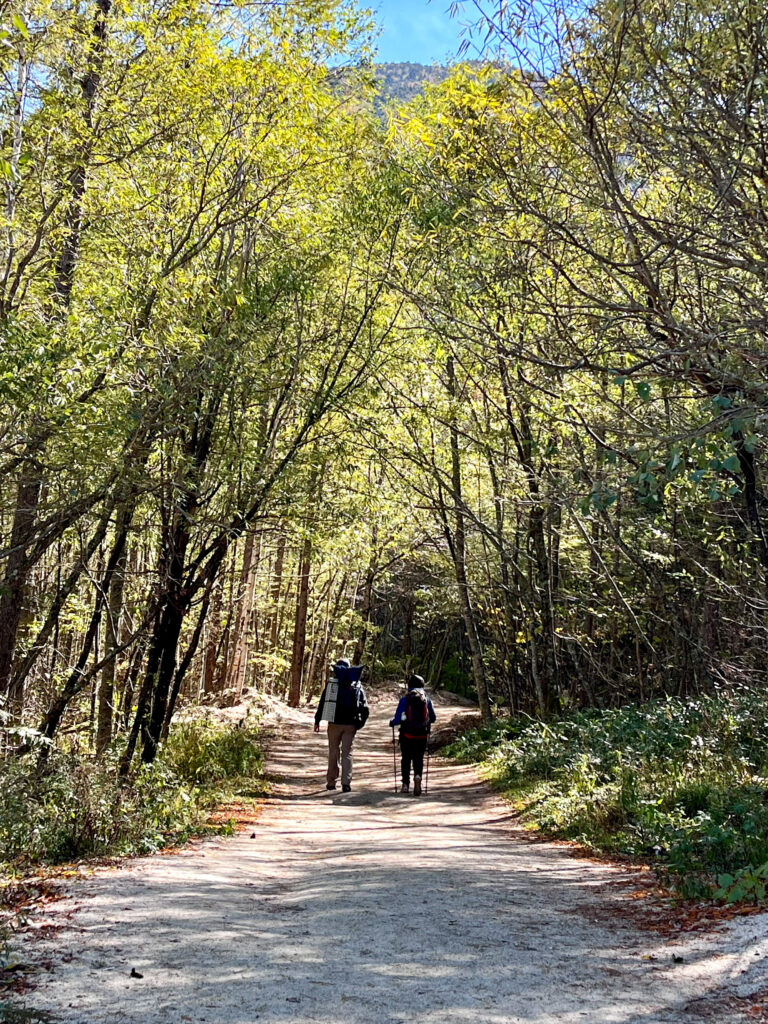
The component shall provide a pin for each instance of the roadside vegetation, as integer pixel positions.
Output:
(69, 807)
(680, 783)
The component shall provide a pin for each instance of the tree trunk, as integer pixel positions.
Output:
(300, 626)
(167, 640)
(14, 584)
(184, 664)
(142, 703)
(112, 642)
(271, 629)
(330, 630)
(545, 681)
(214, 639)
(75, 681)
(458, 546)
(753, 499)
(251, 556)
(64, 590)
(407, 645)
(12, 590)
(78, 179)
(135, 662)
(367, 609)
(225, 643)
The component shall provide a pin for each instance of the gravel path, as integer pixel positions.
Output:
(372, 908)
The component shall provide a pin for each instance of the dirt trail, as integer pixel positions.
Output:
(373, 908)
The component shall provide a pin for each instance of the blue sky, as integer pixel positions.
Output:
(414, 30)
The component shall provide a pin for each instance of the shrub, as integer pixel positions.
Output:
(74, 807)
(455, 680)
(679, 783)
(204, 753)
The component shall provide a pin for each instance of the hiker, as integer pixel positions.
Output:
(415, 716)
(344, 707)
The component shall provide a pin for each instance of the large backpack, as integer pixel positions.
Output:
(415, 717)
(351, 708)
(346, 703)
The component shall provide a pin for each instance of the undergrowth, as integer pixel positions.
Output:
(679, 783)
(72, 807)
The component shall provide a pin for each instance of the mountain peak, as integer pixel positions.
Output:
(401, 82)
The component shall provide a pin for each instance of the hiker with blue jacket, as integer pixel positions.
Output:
(344, 707)
(415, 716)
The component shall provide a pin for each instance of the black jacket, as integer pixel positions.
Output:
(351, 706)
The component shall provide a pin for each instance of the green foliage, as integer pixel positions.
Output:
(391, 668)
(681, 783)
(203, 753)
(72, 807)
(748, 884)
(453, 678)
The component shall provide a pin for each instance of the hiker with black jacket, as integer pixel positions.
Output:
(344, 707)
(415, 716)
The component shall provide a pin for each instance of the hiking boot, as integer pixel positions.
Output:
(346, 789)
(330, 785)
(417, 785)
(405, 788)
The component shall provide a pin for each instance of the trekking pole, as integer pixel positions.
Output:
(426, 783)
(394, 757)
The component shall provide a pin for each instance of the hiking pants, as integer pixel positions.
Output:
(340, 736)
(413, 750)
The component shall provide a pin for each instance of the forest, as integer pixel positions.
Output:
(472, 386)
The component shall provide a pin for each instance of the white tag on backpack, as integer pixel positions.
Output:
(329, 707)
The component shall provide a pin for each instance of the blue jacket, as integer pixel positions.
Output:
(398, 719)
